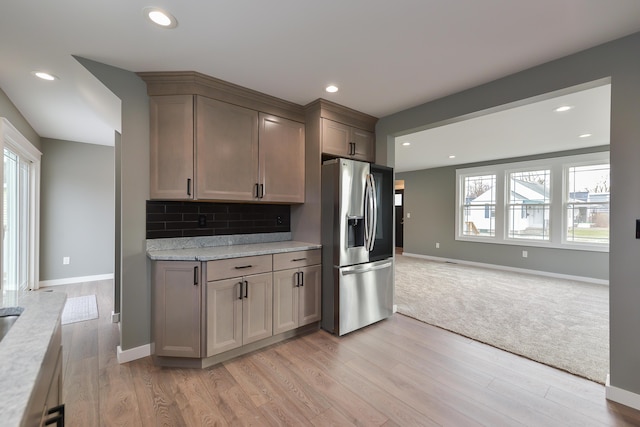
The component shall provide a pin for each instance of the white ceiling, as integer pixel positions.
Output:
(523, 130)
(385, 56)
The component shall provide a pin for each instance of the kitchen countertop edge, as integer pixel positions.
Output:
(232, 251)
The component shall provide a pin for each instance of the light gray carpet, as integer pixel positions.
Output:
(78, 309)
(557, 322)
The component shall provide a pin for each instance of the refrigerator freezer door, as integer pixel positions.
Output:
(365, 295)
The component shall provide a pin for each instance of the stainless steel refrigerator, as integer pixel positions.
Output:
(357, 244)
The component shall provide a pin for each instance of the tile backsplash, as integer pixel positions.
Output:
(167, 219)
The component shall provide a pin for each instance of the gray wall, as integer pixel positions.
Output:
(620, 61)
(76, 209)
(430, 197)
(11, 113)
(133, 181)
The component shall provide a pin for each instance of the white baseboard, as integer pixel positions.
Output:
(513, 269)
(622, 396)
(135, 353)
(70, 280)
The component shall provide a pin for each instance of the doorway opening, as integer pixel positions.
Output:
(399, 214)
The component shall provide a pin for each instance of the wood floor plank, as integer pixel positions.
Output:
(196, 407)
(536, 405)
(246, 375)
(392, 406)
(81, 394)
(350, 404)
(421, 399)
(292, 387)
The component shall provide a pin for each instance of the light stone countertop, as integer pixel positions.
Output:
(23, 349)
(229, 251)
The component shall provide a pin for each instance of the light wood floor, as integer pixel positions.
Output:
(399, 372)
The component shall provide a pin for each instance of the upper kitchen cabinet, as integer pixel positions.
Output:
(227, 151)
(171, 147)
(340, 140)
(281, 160)
(247, 146)
(341, 131)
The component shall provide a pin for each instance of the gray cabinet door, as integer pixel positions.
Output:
(296, 297)
(285, 301)
(176, 308)
(226, 151)
(171, 147)
(257, 310)
(282, 161)
(310, 295)
(335, 138)
(224, 315)
(364, 145)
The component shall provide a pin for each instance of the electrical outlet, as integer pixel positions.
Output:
(66, 260)
(408, 214)
(279, 220)
(202, 221)
(525, 254)
(437, 245)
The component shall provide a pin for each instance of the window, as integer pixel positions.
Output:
(587, 204)
(529, 204)
(560, 202)
(20, 219)
(479, 205)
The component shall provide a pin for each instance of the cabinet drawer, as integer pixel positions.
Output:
(287, 260)
(236, 267)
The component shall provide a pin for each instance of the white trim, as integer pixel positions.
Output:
(513, 269)
(70, 280)
(621, 396)
(135, 353)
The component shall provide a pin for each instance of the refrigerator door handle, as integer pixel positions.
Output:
(367, 213)
(374, 211)
(370, 218)
(347, 272)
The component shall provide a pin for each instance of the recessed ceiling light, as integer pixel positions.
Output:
(331, 89)
(585, 135)
(44, 76)
(406, 143)
(160, 17)
(563, 108)
(452, 156)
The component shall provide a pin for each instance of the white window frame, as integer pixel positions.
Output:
(11, 138)
(559, 167)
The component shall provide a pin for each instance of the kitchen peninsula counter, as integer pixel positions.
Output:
(23, 352)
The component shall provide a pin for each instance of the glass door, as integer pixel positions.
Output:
(15, 227)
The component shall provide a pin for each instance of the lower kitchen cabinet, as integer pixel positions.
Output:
(176, 293)
(296, 298)
(296, 291)
(204, 313)
(239, 312)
